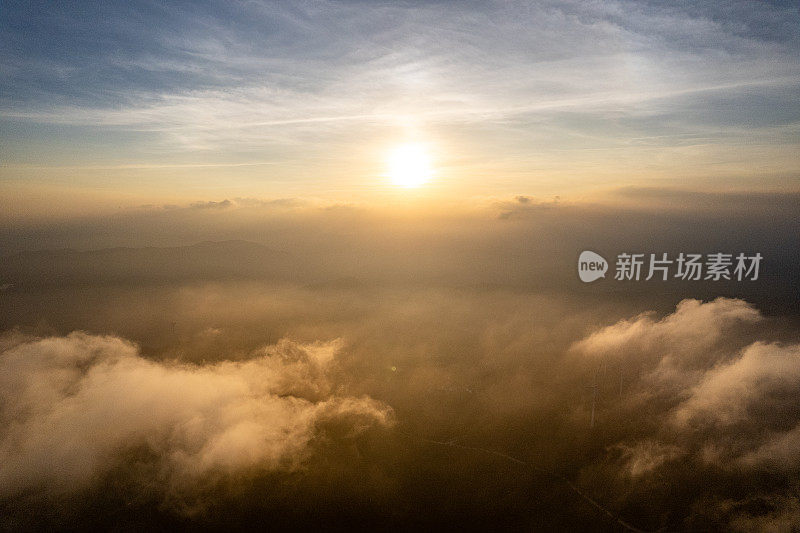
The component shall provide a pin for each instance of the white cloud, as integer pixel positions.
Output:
(708, 389)
(71, 406)
(687, 338)
(729, 391)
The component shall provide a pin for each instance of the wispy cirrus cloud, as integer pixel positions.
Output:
(248, 76)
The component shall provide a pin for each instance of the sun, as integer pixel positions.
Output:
(409, 165)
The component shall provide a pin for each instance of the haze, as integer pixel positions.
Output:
(312, 265)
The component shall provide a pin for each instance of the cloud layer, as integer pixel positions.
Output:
(696, 419)
(74, 406)
(703, 392)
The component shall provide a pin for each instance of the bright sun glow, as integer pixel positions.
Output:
(409, 165)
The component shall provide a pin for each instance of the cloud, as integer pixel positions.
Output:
(758, 378)
(708, 413)
(566, 75)
(212, 205)
(686, 338)
(710, 387)
(781, 451)
(80, 409)
(646, 456)
(73, 406)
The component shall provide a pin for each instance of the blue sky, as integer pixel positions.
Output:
(304, 98)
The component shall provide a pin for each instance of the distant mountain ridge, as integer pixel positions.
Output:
(234, 259)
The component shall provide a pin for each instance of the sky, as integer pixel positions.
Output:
(316, 265)
(115, 104)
